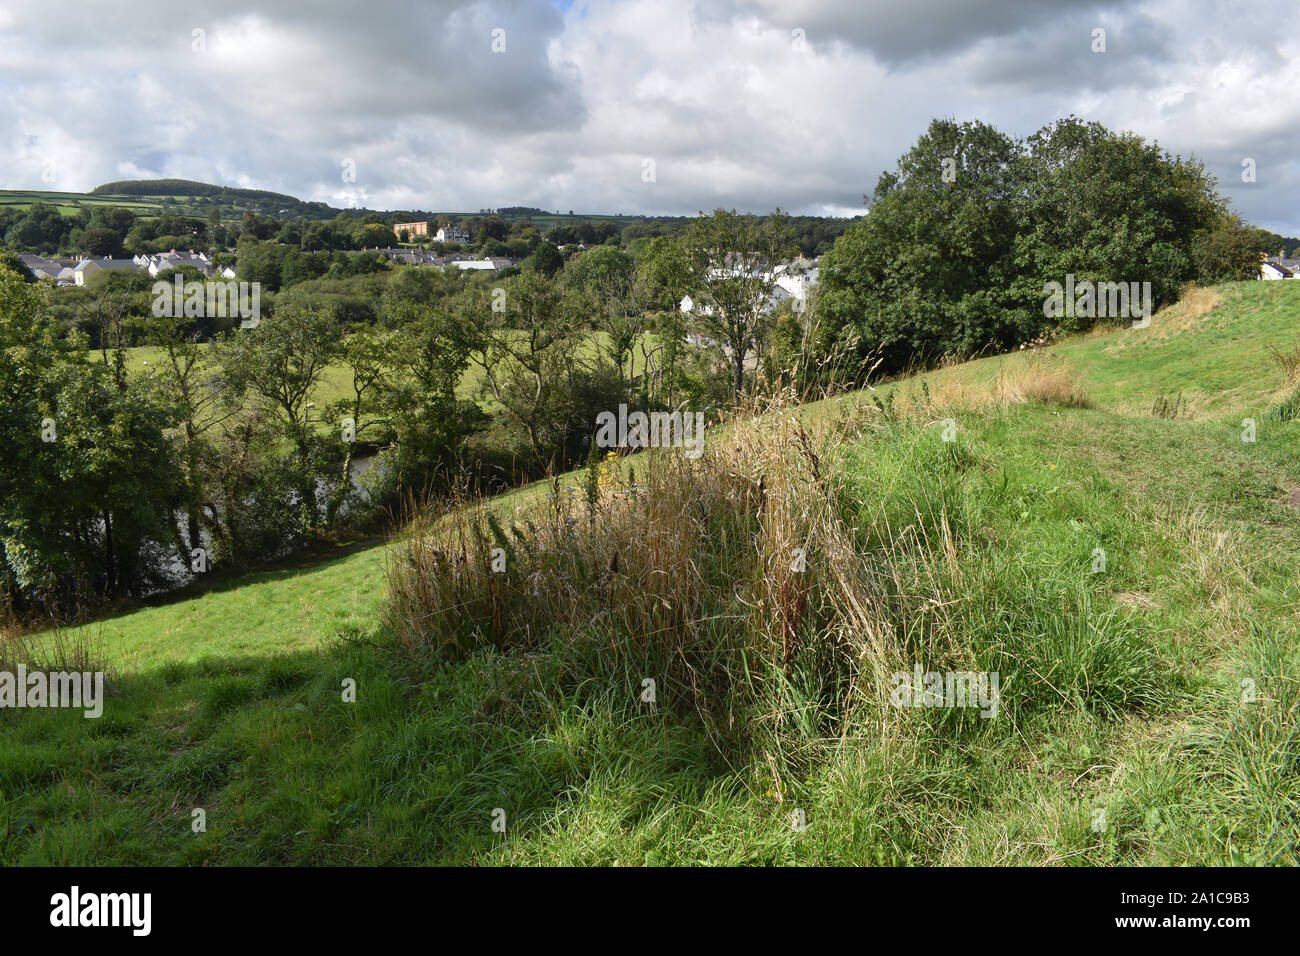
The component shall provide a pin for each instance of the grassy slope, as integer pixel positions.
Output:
(231, 701)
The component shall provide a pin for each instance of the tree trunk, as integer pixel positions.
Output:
(110, 559)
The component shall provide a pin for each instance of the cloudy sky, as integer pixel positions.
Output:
(633, 106)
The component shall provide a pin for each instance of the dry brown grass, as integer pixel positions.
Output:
(1287, 359)
(1042, 377)
(687, 564)
(1032, 375)
(1187, 313)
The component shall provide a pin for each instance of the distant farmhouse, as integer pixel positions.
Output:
(791, 282)
(451, 234)
(412, 229)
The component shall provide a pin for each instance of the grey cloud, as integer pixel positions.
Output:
(904, 33)
(413, 95)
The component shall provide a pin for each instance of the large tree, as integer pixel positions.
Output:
(962, 237)
(928, 270)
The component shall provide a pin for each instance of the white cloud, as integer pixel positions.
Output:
(724, 97)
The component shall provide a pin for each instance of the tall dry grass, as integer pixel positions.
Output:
(735, 575)
(1043, 377)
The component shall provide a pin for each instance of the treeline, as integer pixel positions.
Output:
(119, 231)
(237, 440)
(968, 230)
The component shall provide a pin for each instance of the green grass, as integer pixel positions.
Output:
(336, 380)
(1123, 688)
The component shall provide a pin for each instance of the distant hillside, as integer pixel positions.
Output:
(259, 200)
(164, 198)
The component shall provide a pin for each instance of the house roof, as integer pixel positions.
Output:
(106, 264)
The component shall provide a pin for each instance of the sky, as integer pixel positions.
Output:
(627, 106)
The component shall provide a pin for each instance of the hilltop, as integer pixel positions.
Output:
(185, 197)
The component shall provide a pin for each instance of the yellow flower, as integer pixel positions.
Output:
(607, 473)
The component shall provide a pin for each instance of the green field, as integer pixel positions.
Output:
(1162, 690)
(69, 203)
(336, 380)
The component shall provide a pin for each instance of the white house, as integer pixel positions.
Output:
(171, 260)
(451, 234)
(1276, 267)
(790, 280)
(688, 305)
(797, 278)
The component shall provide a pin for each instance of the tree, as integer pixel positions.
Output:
(963, 236)
(1230, 252)
(429, 355)
(1110, 207)
(368, 353)
(40, 230)
(9, 260)
(492, 228)
(280, 362)
(100, 242)
(731, 262)
(186, 382)
(606, 279)
(546, 260)
(928, 271)
(88, 482)
(529, 354)
(261, 262)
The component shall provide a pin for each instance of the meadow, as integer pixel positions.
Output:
(952, 519)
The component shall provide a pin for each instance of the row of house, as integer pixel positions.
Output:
(76, 271)
(63, 271)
